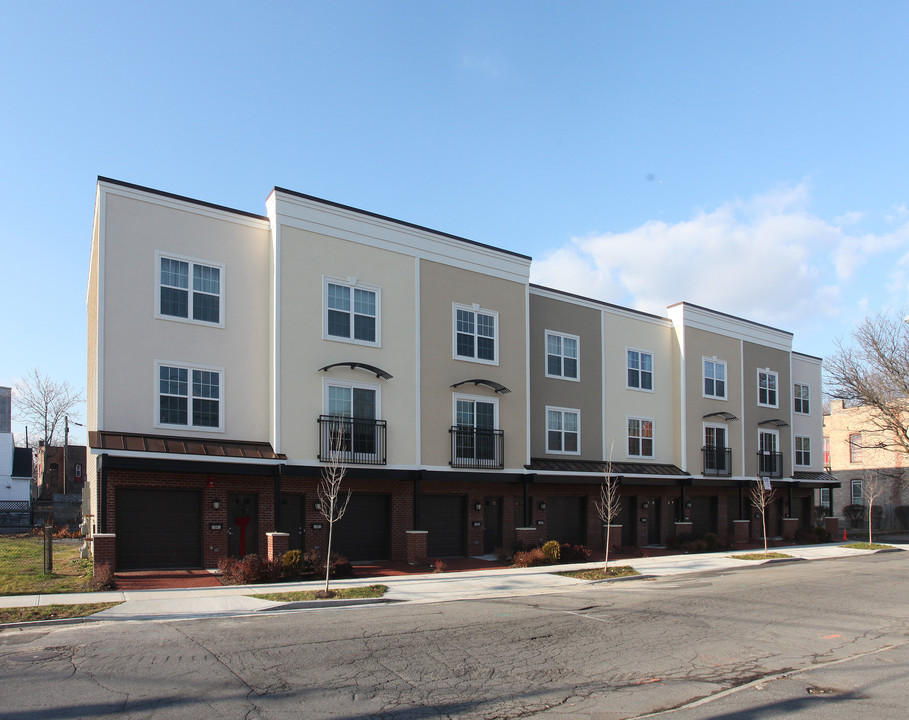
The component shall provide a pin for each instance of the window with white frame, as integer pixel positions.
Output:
(640, 369)
(767, 385)
(769, 460)
(189, 290)
(715, 378)
(475, 333)
(857, 498)
(563, 431)
(353, 410)
(189, 397)
(476, 420)
(640, 437)
(351, 311)
(562, 355)
(825, 497)
(800, 398)
(855, 448)
(802, 451)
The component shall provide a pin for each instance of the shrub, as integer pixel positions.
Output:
(573, 553)
(103, 578)
(292, 563)
(552, 550)
(439, 566)
(250, 570)
(530, 558)
(712, 542)
(855, 514)
(820, 534)
(820, 512)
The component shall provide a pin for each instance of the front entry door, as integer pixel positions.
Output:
(290, 520)
(242, 524)
(492, 524)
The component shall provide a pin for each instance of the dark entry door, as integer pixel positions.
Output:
(290, 520)
(492, 524)
(158, 529)
(655, 522)
(242, 524)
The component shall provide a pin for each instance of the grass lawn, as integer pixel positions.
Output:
(22, 567)
(761, 556)
(867, 546)
(51, 612)
(370, 591)
(600, 573)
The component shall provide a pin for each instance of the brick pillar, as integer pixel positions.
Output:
(104, 551)
(526, 536)
(757, 529)
(683, 528)
(741, 530)
(278, 544)
(417, 541)
(790, 526)
(615, 536)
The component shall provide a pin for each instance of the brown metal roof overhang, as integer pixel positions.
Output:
(815, 479)
(205, 447)
(591, 471)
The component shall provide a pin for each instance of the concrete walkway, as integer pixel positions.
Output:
(235, 600)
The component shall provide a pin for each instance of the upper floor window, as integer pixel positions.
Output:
(562, 431)
(800, 398)
(640, 437)
(767, 383)
(351, 312)
(855, 448)
(802, 451)
(640, 369)
(189, 397)
(351, 429)
(715, 378)
(561, 355)
(857, 492)
(476, 334)
(189, 289)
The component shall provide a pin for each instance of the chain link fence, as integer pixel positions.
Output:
(29, 553)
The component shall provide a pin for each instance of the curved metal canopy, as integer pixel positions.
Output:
(498, 387)
(379, 372)
(776, 422)
(727, 416)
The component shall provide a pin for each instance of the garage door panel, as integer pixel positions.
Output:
(364, 531)
(566, 519)
(445, 517)
(158, 529)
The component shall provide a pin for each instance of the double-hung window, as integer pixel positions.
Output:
(855, 448)
(715, 378)
(857, 497)
(802, 451)
(190, 290)
(800, 398)
(640, 369)
(640, 437)
(189, 397)
(475, 334)
(352, 312)
(767, 385)
(562, 431)
(561, 355)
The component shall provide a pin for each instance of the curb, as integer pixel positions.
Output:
(327, 603)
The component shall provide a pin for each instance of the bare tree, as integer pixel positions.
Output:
(761, 497)
(609, 504)
(873, 371)
(873, 487)
(44, 403)
(332, 502)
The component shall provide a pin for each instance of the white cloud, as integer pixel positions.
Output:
(766, 258)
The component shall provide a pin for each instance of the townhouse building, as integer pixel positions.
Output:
(231, 355)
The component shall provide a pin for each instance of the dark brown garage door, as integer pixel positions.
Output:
(445, 517)
(158, 529)
(363, 532)
(703, 514)
(566, 519)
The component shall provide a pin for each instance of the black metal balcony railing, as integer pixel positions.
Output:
(717, 460)
(477, 448)
(770, 464)
(354, 441)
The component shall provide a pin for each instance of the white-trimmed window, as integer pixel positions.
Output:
(352, 312)
(857, 498)
(563, 432)
(640, 437)
(800, 398)
(190, 290)
(825, 497)
(640, 369)
(476, 334)
(802, 451)
(562, 355)
(855, 448)
(769, 461)
(476, 421)
(353, 409)
(715, 378)
(767, 388)
(188, 397)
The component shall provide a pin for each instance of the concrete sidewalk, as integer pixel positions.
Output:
(225, 601)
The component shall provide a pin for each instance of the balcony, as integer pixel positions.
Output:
(477, 448)
(717, 460)
(770, 464)
(352, 441)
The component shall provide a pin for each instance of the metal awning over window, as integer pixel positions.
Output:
(379, 372)
(498, 387)
(776, 422)
(727, 416)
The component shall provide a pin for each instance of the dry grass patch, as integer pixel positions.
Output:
(22, 567)
(368, 591)
(51, 612)
(601, 574)
(761, 556)
(868, 546)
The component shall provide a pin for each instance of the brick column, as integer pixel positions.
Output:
(104, 551)
(833, 527)
(741, 530)
(526, 536)
(278, 544)
(790, 526)
(417, 541)
(615, 536)
(683, 528)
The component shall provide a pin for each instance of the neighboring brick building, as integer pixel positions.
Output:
(50, 470)
(852, 455)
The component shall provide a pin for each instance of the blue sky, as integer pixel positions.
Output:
(747, 156)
